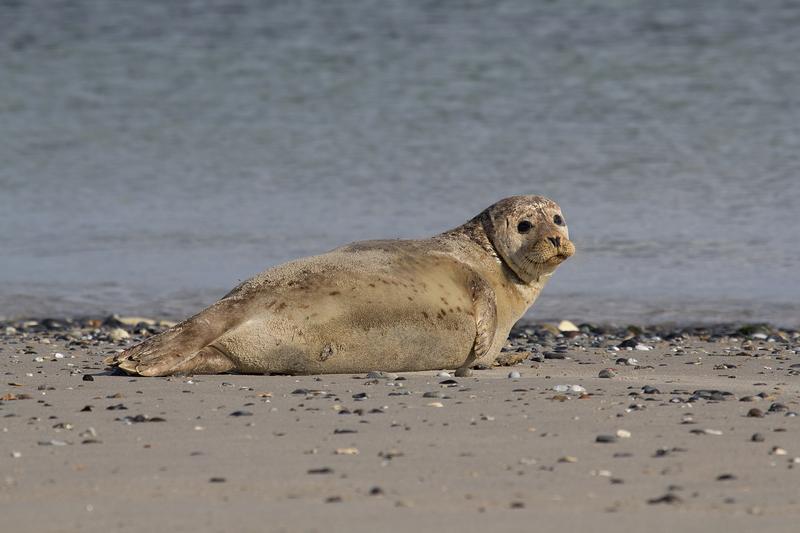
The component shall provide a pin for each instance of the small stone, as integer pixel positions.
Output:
(607, 373)
(777, 407)
(443, 374)
(668, 498)
(16, 455)
(514, 375)
(606, 438)
(566, 325)
(777, 450)
(435, 404)
(323, 470)
(642, 348)
(726, 477)
(568, 459)
(376, 491)
(757, 437)
(706, 431)
(118, 334)
(623, 434)
(647, 389)
(569, 388)
(217, 480)
(359, 396)
(241, 413)
(88, 377)
(755, 413)
(346, 451)
(517, 505)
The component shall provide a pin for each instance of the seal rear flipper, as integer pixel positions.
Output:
(209, 360)
(184, 348)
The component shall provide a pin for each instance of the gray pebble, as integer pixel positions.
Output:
(606, 438)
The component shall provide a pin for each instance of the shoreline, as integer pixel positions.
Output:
(695, 428)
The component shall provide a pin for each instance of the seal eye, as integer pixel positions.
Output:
(559, 220)
(524, 226)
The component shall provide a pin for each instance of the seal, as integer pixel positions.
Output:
(447, 302)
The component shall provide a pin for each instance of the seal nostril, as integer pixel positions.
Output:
(555, 240)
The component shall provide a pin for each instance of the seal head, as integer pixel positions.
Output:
(529, 233)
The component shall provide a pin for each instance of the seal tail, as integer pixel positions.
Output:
(183, 349)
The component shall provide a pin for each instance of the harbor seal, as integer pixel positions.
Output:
(447, 302)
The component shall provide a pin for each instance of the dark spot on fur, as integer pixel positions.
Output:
(410, 299)
(326, 353)
(425, 314)
(282, 306)
(334, 293)
(372, 285)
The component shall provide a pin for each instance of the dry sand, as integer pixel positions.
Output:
(485, 453)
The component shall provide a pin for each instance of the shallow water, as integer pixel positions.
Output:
(155, 153)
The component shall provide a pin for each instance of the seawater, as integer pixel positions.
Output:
(153, 154)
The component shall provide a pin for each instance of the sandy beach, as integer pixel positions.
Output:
(694, 429)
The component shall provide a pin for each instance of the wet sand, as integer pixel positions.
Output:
(84, 449)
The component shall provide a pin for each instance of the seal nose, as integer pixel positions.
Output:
(555, 240)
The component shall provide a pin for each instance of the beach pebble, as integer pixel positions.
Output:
(777, 407)
(514, 375)
(569, 388)
(777, 450)
(757, 437)
(607, 373)
(706, 431)
(606, 438)
(566, 325)
(568, 459)
(435, 404)
(623, 434)
(443, 374)
(118, 334)
(643, 348)
(346, 451)
(755, 413)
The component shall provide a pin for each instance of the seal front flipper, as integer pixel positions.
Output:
(485, 310)
(185, 348)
